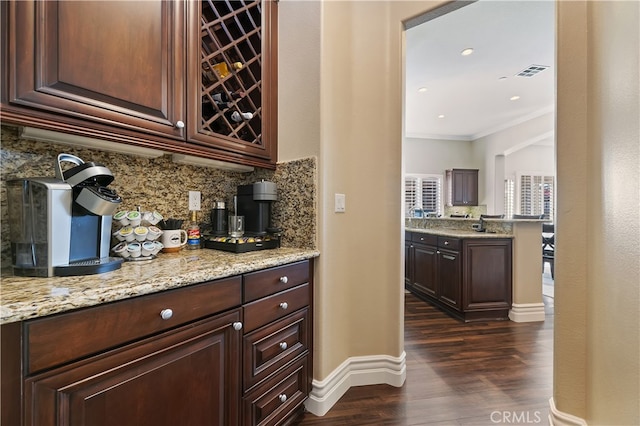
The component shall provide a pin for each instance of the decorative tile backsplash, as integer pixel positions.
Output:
(159, 184)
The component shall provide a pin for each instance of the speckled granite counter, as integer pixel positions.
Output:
(457, 233)
(27, 297)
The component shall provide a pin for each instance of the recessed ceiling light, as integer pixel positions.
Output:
(466, 52)
(441, 116)
(422, 89)
(514, 98)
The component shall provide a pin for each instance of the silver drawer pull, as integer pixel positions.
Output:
(446, 243)
(283, 345)
(284, 305)
(165, 314)
(282, 398)
(237, 326)
(284, 279)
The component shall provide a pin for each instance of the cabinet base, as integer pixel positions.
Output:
(500, 314)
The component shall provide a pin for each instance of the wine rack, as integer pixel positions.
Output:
(231, 62)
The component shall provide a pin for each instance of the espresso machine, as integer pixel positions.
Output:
(62, 226)
(254, 203)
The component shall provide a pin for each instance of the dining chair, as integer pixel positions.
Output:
(548, 246)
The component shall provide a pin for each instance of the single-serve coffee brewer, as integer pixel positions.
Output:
(254, 203)
(62, 226)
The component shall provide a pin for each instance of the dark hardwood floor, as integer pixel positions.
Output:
(482, 373)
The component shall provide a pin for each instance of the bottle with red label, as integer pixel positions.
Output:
(193, 232)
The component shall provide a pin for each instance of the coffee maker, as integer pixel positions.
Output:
(254, 203)
(62, 226)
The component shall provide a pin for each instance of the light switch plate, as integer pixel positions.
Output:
(340, 204)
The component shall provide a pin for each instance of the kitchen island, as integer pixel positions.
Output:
(526, 259)
(194, 337)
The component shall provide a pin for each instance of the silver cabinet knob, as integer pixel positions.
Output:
(284, 305)
(282, 398)
(237, 326)
(446, 243)
(283, 345)
(284, 279)
(165, 314)
(180, 124)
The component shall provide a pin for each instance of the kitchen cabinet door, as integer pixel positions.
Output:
(449, 272)
(111, 63)
(425, 270)
(188, 376)
(487, 275)
(463, 185)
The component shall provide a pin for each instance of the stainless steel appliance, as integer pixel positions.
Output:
(62, 226)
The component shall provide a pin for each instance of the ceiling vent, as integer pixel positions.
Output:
(532, 70)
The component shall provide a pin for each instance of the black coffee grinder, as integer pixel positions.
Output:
(254, 203)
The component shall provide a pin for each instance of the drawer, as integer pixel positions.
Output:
(268, 309)
(62, 338)
(421, 238)
(278, 398)
(271, 347)
(270, 281)
(449, 243)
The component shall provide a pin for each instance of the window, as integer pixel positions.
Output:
(423, 192)
(535, 195)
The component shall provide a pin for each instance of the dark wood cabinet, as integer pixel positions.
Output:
(147, 73)
(469, 278)
(449, 273)
(187, 376)
(463, 187)
(236, 56)
(120, 64)
(227, 352)
(277, 341)
(425, 269)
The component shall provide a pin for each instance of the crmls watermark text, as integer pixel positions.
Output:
(516, 417)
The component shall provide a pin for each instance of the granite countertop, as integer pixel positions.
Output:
(459, 233)
(23, 298)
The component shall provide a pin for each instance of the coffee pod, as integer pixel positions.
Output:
(121, 250)
(148, 248)
(154, 233)
(127, 234)
(134, 249)
(134, 218)
(141, 233)
(121, 217)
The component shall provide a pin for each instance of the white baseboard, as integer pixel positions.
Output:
(558, 418)
(355, 371)
(527, 312)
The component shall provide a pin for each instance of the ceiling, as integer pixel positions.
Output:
(473, 92)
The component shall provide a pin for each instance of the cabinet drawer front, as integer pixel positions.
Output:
(449, 243)
(263, 311)
(63, 338)
(273, 346)
(419, 237)
(270, 281)
(277, 398)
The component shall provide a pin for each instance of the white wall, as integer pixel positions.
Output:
(436, 156)
(532, 159)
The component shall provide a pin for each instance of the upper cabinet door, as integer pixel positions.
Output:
(232, 75)
(118, 63)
